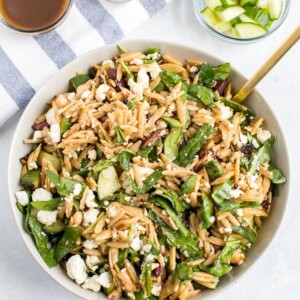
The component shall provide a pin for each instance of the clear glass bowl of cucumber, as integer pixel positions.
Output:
(241, 21)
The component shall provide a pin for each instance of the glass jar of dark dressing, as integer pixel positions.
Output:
(34, 16)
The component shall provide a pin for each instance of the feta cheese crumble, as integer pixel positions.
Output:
(50, 116)
(54, 133)
(85, 94)
(92, 261)
(109, 63)
(76, 269)
(77, 189)
(92, 284)
(22, 197)
(143, 78)
(101, 91)
(89, 201)
(90, 244)
(154, 69)
(225, 110)
(137, 62)
(38, 134)
(47, 217)
(194, 69)
(156, 289)
(136, 244)
(235, 193)
(136, 89)
(41, 194)
(90, 216)
(263, 135)
(105, 279)
(92, 154)
(252, 180)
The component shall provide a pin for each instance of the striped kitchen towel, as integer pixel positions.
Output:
(26, 62)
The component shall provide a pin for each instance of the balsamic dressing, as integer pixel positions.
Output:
(32, 15)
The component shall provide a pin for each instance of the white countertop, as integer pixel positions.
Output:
(276, 276)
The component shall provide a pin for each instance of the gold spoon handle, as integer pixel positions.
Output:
(267, 66)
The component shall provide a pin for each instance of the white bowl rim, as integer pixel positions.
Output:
(168, 44)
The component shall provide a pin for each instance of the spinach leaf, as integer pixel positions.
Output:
(250, 236)
(222, 191)
(66, 243)
(78, 80)
(170, 78)
(65, 125)
(172, 122)
(105, 164)
(206, 75)
(262, 155)
(184, 271)
(149, 183)
(160, 87)
(213, 169)
(124, 159)
(193, 146)
(201, 94)
(120, 135)
(41, 241)
(172, 197)
(222, 264)
(222, 71)
(189, 185)
(171, 143)
(49, 205)
(207, 211)
(278, 176)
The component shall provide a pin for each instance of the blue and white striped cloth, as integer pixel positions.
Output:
(26, 62)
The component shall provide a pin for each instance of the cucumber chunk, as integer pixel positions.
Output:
(223, 26)
(55, 161)
(257, 15)
(247, 2)
(210, 17)
(31, 179)
(56, 227)
(212, 4)
(229, 2)
(230, 13)
(245, 19)
(108, 182)
(275, 8)
(250, 30)
(262, 3)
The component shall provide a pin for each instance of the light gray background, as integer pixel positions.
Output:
(276, 276)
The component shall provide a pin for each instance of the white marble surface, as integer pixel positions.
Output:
(276, 276)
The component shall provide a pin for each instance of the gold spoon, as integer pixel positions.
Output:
(267, 66)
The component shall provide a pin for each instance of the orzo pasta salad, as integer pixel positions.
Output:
(146, 180)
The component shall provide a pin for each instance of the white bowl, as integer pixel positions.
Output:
(59, 83)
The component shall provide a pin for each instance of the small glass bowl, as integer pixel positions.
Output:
(199, 5)
(52, 26)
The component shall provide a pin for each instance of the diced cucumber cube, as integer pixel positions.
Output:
(210, 17)
(222, 26)
(212, 4)
(257, 15)
(229, 2)
(108, 182)
(245, 19)
(247, 2)
(275, 8)
(250, 30)
(230, 13)
(262, 3)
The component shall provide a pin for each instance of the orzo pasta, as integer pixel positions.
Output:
(146, 180)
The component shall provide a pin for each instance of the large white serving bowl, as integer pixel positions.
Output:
(59, 83)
